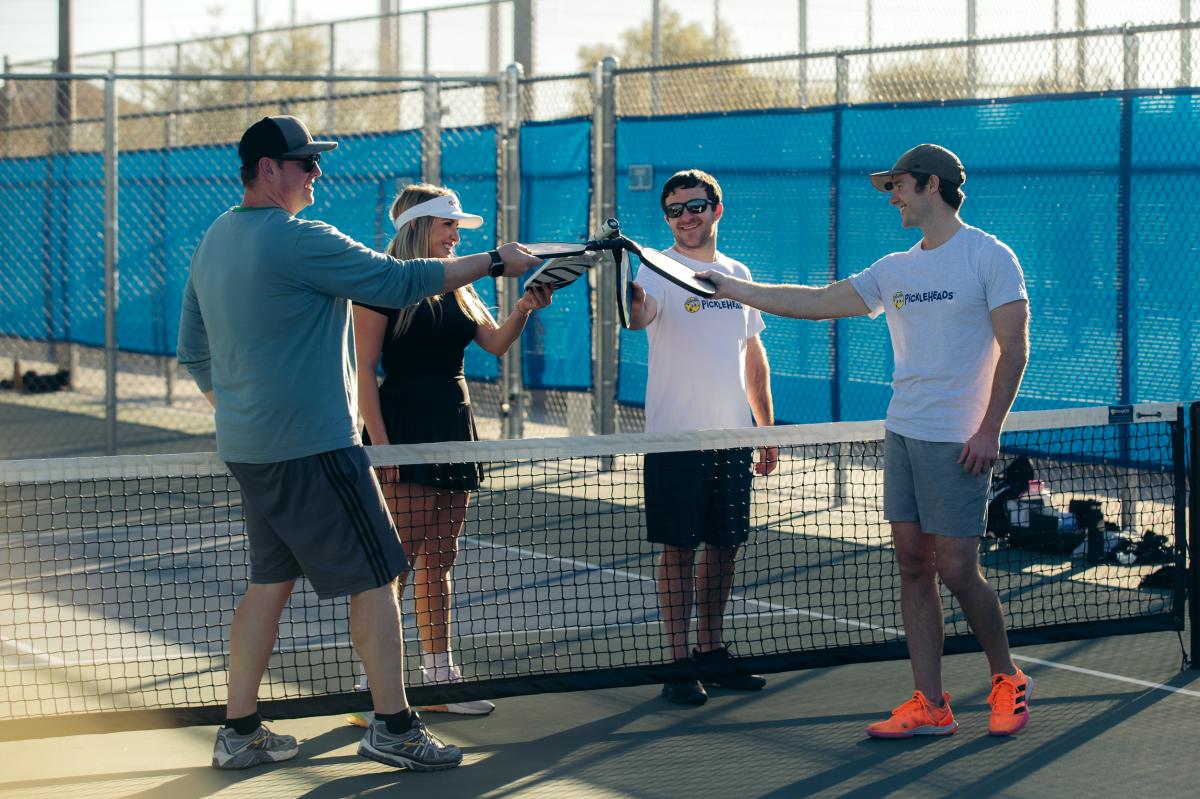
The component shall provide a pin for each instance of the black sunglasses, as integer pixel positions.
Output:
(307, 162)
(697, 206)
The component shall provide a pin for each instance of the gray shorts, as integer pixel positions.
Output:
(322, 516)
(924, 483)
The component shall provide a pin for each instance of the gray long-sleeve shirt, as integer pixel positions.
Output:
(265, 325)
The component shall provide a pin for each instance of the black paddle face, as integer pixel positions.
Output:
(675, 272)
(624, 287)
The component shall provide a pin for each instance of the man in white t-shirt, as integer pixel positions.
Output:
(708, 370)
(958, 316)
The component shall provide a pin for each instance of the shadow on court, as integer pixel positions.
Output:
(802, 736)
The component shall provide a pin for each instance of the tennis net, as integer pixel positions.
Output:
(120, 575)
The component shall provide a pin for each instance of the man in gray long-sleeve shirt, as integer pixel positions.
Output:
(265, 332)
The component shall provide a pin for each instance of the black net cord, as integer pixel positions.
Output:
(1194, 532)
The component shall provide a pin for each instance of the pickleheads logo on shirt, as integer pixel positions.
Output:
(902, 298)
(695, 305)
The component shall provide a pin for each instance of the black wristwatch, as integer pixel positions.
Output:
(497, 267)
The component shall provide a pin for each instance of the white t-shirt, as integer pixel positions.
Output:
(697, 373)
(938, 305)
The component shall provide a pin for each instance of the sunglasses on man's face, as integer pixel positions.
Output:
(697, 206)
(307, 162)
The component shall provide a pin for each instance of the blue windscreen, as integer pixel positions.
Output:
(469, 167)
(555, 194)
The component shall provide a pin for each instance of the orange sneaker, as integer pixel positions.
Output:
(1010, 702)
(917, 716)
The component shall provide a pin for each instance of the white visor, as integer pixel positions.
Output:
(443, 207)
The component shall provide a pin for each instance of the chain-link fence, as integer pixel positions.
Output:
(1085, 185)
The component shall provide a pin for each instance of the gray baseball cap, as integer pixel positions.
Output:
(930, 159)
(280, 136)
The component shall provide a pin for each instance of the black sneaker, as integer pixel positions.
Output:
(735, 682)
(685, 692)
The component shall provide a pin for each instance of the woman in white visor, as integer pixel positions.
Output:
(424, 398)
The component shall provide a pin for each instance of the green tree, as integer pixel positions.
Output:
(696, 89)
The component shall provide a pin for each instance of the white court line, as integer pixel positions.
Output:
(1156, 686)
(852, 623)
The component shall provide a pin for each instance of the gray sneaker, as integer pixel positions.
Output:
(234, 751)
(418, 749)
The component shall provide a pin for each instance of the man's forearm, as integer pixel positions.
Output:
(465, 270)
(1006, 381)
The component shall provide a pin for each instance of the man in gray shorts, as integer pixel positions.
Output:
(265, 333)
(958, 315)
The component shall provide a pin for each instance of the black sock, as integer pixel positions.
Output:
(398, 722)
(246, 724)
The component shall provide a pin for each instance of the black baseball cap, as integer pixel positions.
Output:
(928, 159)
(280, 136)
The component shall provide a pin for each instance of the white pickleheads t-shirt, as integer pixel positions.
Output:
(697, 372)
(938, 305)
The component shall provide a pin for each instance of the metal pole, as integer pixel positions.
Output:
(1193, 549)
(111, 270)
(972, 55)
(1057, 49)
(524, 13)
(870, 38)
(1185, 44)
(605, 341)
(655, 54)
(431, 134)
(65, 355)
(424, 42)
(512, 407)
(250, 70)
(330, 102)
(142, 38)
(1080, 46)
(1130, 48)
(494, 38)
(802, 41)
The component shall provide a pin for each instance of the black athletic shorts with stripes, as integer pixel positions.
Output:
(321, 516)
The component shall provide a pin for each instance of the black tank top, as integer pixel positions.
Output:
(433, 343)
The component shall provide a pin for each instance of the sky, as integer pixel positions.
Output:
(458, 38)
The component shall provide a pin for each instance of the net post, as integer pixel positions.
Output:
(1193, 529)
(110, 264)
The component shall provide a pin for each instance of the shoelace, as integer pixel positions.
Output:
(916, 703)
(1003, 691)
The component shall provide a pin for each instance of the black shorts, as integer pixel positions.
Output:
(424, 411)
(698, 496)
(322, 516)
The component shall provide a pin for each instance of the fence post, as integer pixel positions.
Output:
(605, 342)
(1125, 355)
(431, 133)
(802, 42)
(1185, 44)
(1130, 49)
(655, 55)
(1193, 553)
(330, 102)
(972, 55)
(512, 402)
(111, 270)
(249, 84)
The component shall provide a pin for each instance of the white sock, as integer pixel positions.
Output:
(437, 661)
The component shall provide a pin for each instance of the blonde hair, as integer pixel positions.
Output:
(412, 241)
